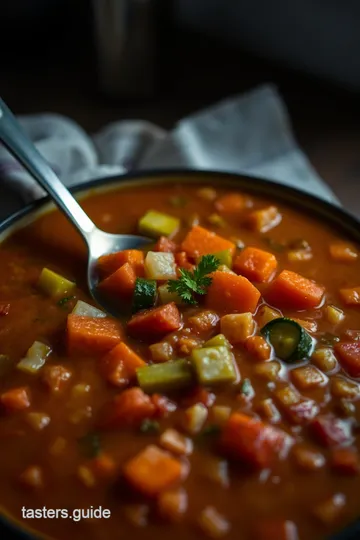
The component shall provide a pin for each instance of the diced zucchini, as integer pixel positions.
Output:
(144, 294)
(166, 296)
(225, 257)
(218, 341)
(214, 365)
(82, 309)
(160, 265)
(165, 377)
(53, 284)
(35, 357)
(290, 341)
(157, 224)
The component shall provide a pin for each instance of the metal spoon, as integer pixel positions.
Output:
(98, 242)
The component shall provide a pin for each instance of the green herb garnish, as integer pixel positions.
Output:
(90, 445)
(246, 388)
(64, 301)
(149, 426)
(194, 282)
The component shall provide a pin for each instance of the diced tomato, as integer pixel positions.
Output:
(155, 323)
(254, 442)
(129, 408)
(348, 354)
(330, 430)
(163, 405)
(16, 399)
(183, 261)
(164, 244)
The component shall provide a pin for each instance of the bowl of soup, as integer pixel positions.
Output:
(223, 402)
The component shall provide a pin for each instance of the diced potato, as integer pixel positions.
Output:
(166, 296)
(268, 410)
(266, 314)
(176, 443)
(161, 352)
(35, 358)
(225, 258)
(298, 255)
(344, 388)
(53, 284)
(307, 377)
(214, 365)
(324, 359)
(160, 265)
(203, 321)
(82, 309)
(207, 193)
(186, 344)
(220, 414)
(195, 418)
(218, 341)
(334, 315)
(155, 224)
(38, 421)
(212, 523)
(268, 370)
(265, 219)
(238, 327)
(287, 395)
(259, 348)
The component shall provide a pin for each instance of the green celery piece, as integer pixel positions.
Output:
(157, 224)
(224, 257)
(166, 376)
(52, 284)
(218, 341)
(214, 365)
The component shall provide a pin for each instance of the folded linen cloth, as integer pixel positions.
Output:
(248, 134)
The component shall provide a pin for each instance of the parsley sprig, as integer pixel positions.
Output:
(191, 283)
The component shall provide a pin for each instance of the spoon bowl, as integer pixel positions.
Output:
(98, 242)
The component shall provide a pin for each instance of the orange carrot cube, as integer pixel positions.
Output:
(129, 408)
(121, 283)
(16, 399)
(92, 335)
(231, 203)
(264, 220)
(155, 323)
(119, 365)
(343, 252)
(350, 297)
(108, 264)
(291, 290)
(259, 348)
(255, 264)
(200, 241)
(231, 293)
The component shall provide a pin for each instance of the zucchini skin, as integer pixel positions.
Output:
(304, 346)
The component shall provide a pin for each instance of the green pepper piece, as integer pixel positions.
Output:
(144, 294)
(214, 365)
(289, 339)
(155, 224)
(164, 377)
(218, 341)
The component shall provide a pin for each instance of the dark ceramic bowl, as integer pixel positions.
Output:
(326, 212)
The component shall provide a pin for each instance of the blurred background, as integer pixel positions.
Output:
(104, 60)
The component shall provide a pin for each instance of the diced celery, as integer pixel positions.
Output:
(214, 365)
(35, 357)
(82, 309)
(164, 377)
(224, 257)
(160, 265)
(167, 296)
(157, 224)
(53, 284)
(218, 341)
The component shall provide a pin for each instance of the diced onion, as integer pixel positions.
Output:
(82, 309)
(35, 357)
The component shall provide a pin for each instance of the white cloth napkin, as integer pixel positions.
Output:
(248, 134)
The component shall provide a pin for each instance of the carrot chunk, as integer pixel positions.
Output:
(155, 323)
(264, 220)
(255, 264)
(103, 466)
(120, 284)
(182, 261)
(108, 264)
(92, 335)
(129, 408)
(153, 471)
(259, 348)
(290, 290)
(165, 245)
(231, 293)
(119, 365)
(348, 354)
(200, 241)
(231, 203)
(350, 297)
(16, 399)
(254, 442)
(343, 252)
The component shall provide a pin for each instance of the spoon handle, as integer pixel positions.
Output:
(19, 145)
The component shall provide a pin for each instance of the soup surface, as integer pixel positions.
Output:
(228, 408)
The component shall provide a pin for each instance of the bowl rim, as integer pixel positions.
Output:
(324, 210)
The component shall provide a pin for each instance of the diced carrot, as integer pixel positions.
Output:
(119, 365)
(348, 354)
(153, 471)
(264, 220)
(121, 283)
(255, 264)
(254, 442)
(155, 323)
(165, 245)
(92, 335)
(345, 461)
(108, 264)
(203, 321)
(290, 290)
(172, 504)
(258, 347)
(200, 241)
(350, 297)
(163, 405)
(182, 261)
(330, 430)
(231, 203)
(175, 442)
(103, 466)
(276, 530)
(55, 377)
(129, 408)
(16, 399)
(307, 377)
(231, 293)
(343, 252)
